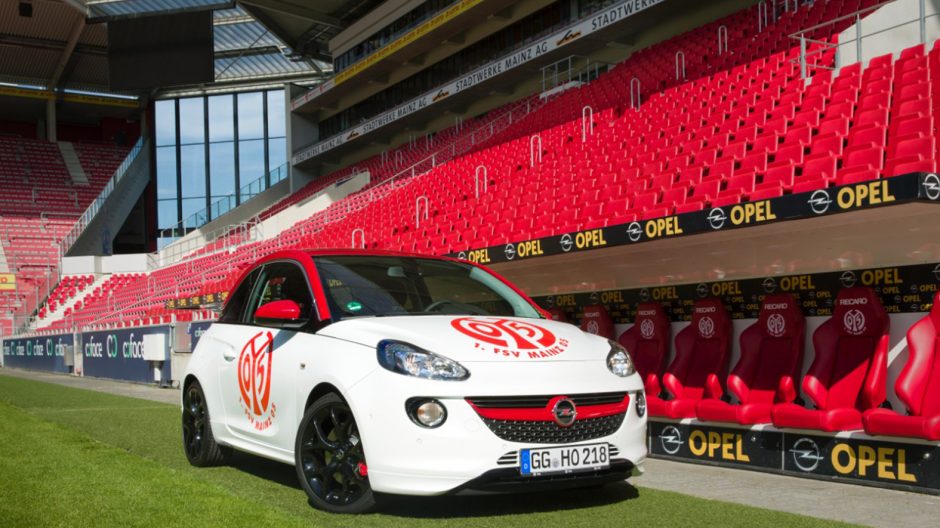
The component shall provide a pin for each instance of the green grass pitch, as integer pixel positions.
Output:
(72, 457)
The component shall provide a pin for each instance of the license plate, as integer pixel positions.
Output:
(568, 459)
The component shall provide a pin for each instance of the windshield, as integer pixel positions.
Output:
(383, 286)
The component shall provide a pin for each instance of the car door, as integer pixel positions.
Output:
(260, 363)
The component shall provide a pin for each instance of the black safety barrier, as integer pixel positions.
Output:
(883, 462)
(914, 187)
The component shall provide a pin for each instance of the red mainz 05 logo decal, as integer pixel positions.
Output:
(254, 380)
(513, 339)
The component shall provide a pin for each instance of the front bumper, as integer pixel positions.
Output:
(464, 454)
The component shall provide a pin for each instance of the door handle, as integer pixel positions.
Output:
(228, 354)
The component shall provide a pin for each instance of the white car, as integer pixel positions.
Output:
(378, 372)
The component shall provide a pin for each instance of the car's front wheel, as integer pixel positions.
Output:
(330, 460)
(198, 443)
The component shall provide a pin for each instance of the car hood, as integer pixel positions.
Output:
(473, 339)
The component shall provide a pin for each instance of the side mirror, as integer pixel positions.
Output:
(284, 314)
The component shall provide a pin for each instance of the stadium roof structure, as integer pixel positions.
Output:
(63, 45)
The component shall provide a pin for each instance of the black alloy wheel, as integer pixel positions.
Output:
(330, 460)
(198, 443)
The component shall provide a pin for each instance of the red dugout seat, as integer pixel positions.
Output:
(698, 371)
(769, 368)
(597, 321)
(558, 314)
(848, 374)
(647, 341)
(918, 385)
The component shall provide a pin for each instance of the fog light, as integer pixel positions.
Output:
(426, 412)
(640, 404)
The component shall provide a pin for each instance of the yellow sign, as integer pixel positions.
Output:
(423, 29)
(7, 281)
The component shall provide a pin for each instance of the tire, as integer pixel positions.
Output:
(330, 460)
(198, 443)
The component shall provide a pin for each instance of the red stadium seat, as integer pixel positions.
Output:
(918, 386)
(768, 371)
(597, 321)
(848, 373)
(701, 363)
(647, 341)
(558, 314)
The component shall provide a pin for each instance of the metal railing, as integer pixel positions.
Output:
(573, 68)
(221, 239)
(95, 206)
(805, 36)
(225, 204)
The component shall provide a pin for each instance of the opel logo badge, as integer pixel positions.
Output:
(806, 454)
(702, 290)
(848, 279)
(716, 218)
(670, 439)
(769, 284)
(645, 292)
(819, 201)
(510, 251)
(565, 412)
(462, 255)
(566, 242)
(932, 187)
(634, 231)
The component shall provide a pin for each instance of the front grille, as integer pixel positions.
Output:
(546, 432)
(537, 402)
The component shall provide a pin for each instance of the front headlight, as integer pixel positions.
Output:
(412, 361)
(618, 360)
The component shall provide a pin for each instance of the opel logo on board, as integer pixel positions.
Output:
(819, 201)
(936, 273)
(594, 297)
(565, 412)
(566, 242)
(769, 284)
(462, 255)
(645, 292)
(670, 439)
(702, 290)
(848, 279)
(932, 187)
(806, 455)
(510, 251)
(550, 302)
(634, 231)
(717, 218)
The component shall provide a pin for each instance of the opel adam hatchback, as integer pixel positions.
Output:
(386, 373)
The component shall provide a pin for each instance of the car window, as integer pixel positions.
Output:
(281, 281)
(383, 286)
(235, 307)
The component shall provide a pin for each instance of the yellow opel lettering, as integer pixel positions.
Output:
(885, 460)
(849, 465)
(872, 193)
(529, 249)
(750, 212)
(668, 226)
(611, 297)
(866, 459)
(665, 293)
(479, 256)
(714, 442)
(591, 238)
(799, 282)
(902, 467)
(720, 289)
(885, 277)
(565, 300)
(739, 450)
(697, 443)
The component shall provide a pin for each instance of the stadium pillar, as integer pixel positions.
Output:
(50, 120)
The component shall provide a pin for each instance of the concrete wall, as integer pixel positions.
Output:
(890, 29)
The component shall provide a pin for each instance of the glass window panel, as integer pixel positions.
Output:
(166, 214)
(166, 173)
(221, 118)
(165, 122)
(192, 121)
(277, 153)
(250, 115)
(221, 169)
(250, 160)
(194, 212)
(193, 171)
(276, 116)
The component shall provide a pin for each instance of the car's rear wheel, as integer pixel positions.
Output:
(198, 443)
(330, 460)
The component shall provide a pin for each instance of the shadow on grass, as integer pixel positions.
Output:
(505, 503)
(448, 506)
